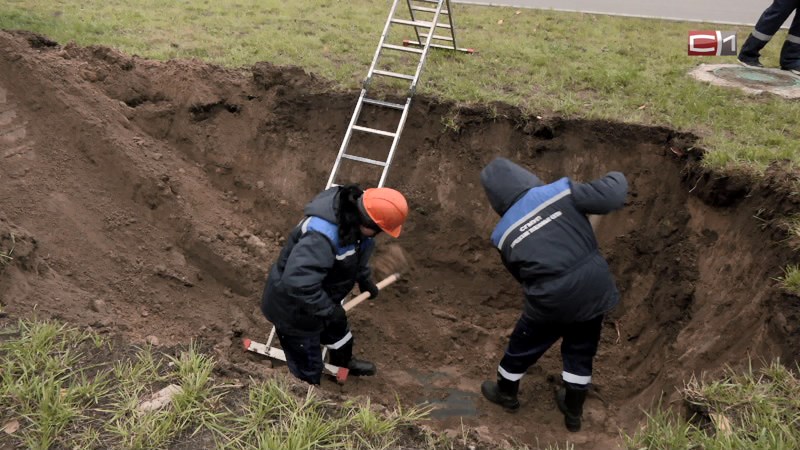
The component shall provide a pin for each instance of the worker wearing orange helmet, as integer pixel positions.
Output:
(325, 256)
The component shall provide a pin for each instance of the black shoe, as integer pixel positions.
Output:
(492, 392)
(360, 368)
(570, 403)
(751, 51)
(750, 62)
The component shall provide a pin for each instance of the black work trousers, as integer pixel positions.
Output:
(530, 340)
(304, 353)
(768, 24)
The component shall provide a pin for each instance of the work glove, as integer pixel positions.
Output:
(369, 286)
(323, 313)
(339, 315)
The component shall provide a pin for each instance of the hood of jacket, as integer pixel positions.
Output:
(505, 182)
(324, 205)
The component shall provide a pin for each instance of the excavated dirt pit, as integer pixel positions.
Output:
(148, 200)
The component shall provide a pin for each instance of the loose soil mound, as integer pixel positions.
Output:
(148, 199)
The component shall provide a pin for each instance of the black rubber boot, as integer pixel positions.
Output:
(343, 357)
(751, 51)
(790, 56)
(503, 392)
(570, 402)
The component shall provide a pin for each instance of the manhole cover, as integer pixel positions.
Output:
(757, 78)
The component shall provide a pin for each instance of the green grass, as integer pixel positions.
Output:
(66, 388)
(568, 64)
(791, 278)
(756, 409)
(42, 385)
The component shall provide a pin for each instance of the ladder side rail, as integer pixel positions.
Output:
(425, 50)
(452, 25)
(413, 19)
(395, 142)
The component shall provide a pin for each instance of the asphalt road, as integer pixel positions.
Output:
(740, 12)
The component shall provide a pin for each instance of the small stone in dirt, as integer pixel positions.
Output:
(269, 234)
(157, 156)
(152, 340)
(160, 398)
(284, 202)
(443, 315)
(97, 305)
(260, 184)
(227, 293)
(159, 269)
(255, 243)
(145, 313)
(105, 322)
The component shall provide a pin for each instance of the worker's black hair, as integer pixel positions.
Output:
(348, 215)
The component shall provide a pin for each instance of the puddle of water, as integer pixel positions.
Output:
(456, 403)
(447, 401)
(757, 76)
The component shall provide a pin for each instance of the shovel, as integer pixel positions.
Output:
(365, 295)
(391, 262)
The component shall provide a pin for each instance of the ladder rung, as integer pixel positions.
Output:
(435, 36)
(393, 74)
(383, 103)
(427, 1)
(374, 131)
(430, 10)
(419, 23)
(448, 47)
(364, 160)
(401, 48)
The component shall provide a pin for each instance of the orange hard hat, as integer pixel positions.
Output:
(387, 208)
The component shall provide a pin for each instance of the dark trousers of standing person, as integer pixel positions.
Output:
(304, 353)
(768, 24)
(530, 340)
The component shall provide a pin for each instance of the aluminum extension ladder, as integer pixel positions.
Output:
(425, 31)
(426, 38)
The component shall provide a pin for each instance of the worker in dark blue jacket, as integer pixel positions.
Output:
(325, 255)
(547, 243)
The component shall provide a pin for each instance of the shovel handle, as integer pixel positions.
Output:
(365, 295)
